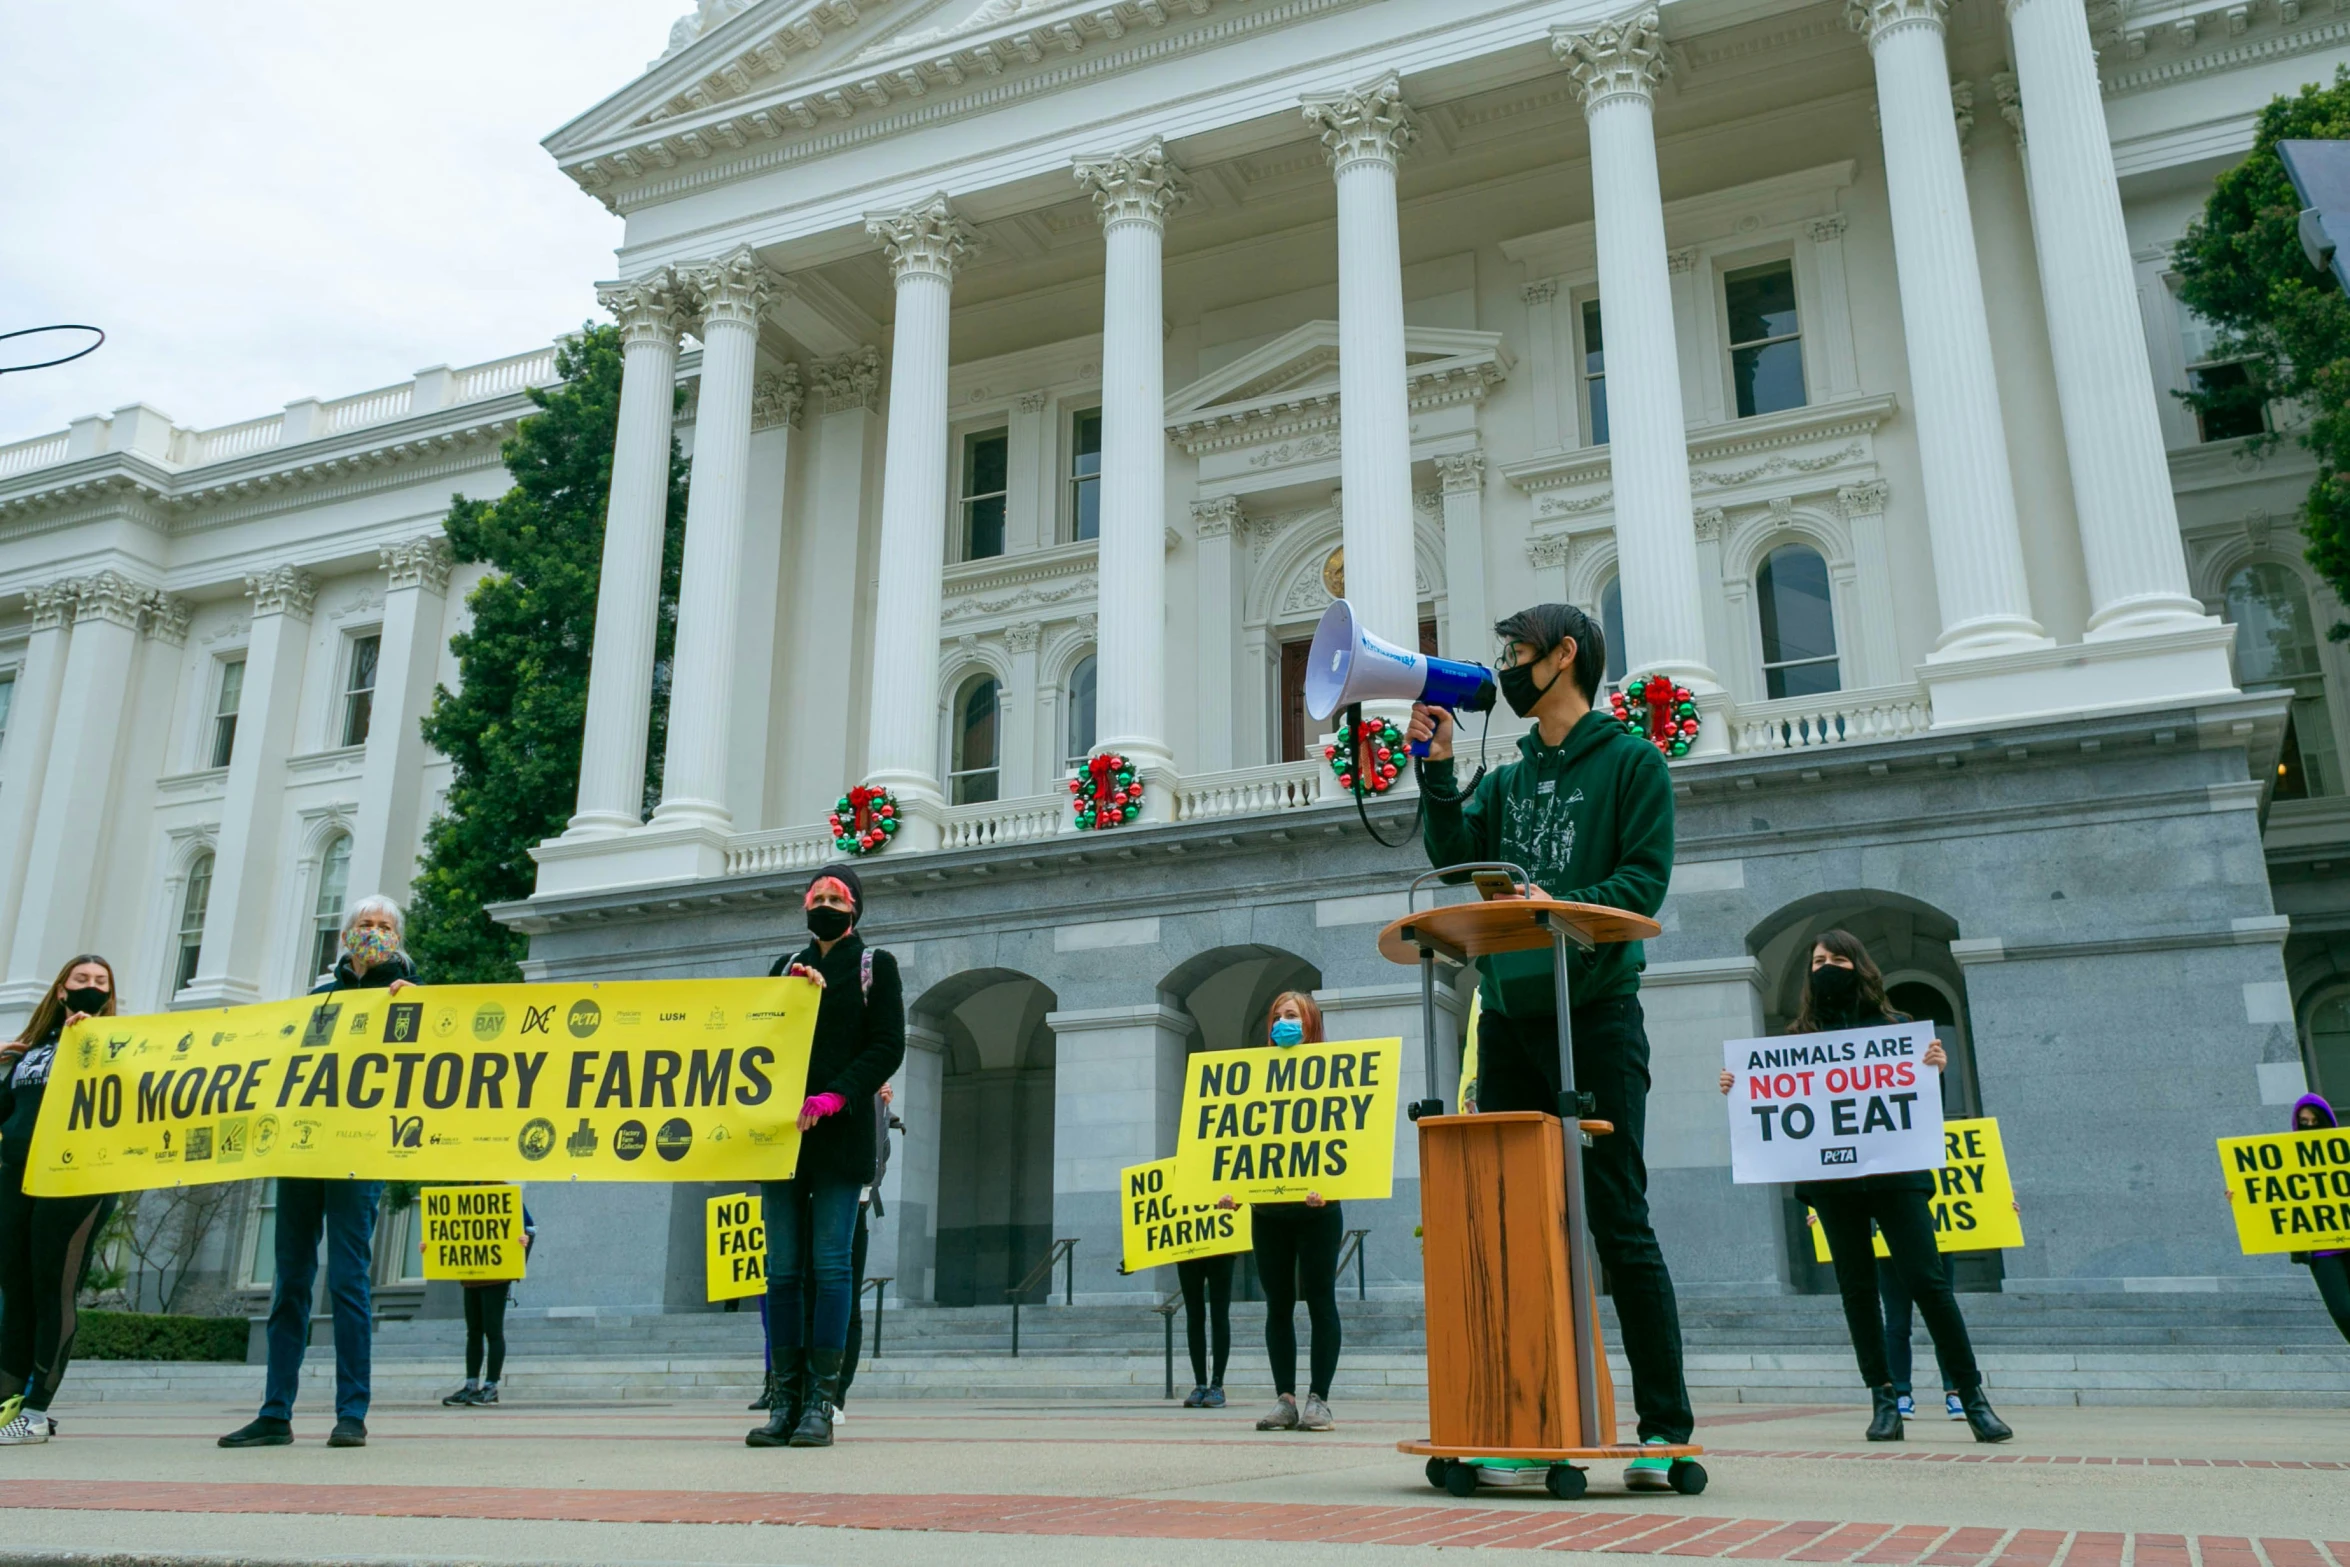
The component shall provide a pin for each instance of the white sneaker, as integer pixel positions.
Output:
(30, 1425)
(1952, 1407)
(840, 1416)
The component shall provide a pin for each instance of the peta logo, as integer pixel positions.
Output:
(407, 1131)
(1847, 1155)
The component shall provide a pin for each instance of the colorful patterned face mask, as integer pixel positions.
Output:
(368, 946)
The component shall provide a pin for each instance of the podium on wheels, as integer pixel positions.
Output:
(1516, 1370)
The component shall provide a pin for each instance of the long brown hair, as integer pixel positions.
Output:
(1309, 1015)
(50, 1014)
(1868, 1001)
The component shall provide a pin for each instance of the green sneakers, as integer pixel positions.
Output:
(1649, 1474)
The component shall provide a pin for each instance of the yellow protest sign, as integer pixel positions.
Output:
(1159, 1227)
(2290, 1191)
(735, 1258)
(472, 1233)
(1974, 1204)
(1272, 1125)
(697, 1080)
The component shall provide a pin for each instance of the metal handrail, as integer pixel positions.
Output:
(880, 1288)
(1066, 1246)
(1166, 1310)
(1354, 1248)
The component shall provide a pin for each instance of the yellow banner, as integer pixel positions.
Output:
(473, 1233)
(1272, 1125)
(736, 1254)
(1974, 1207)
(2290, 1191)
(668, 1080)
(1159, 1227)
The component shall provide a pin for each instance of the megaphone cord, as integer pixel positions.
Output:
(1420, 771)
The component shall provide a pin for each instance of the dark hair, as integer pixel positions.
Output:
(1869, 1003)
(1545, 626)
(49, 1015)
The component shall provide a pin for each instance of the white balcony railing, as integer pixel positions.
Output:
(785, 849)
(39, 452)
(348, 413)
(998, 822)
(1250, 791)
(501, 376)
(1836, 718)
(235, 440)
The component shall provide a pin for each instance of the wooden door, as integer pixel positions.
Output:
(1297, 730)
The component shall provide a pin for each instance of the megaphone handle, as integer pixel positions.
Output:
(1419, 748)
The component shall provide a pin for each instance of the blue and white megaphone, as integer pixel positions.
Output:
(1350, 665)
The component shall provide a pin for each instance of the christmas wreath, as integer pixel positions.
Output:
(864, 819)
(1106, 793)
(1660, 712)
(1382, 742)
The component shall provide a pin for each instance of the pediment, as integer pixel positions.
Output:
(1293, 381)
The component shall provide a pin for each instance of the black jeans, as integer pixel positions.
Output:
(2333, 1287)
(1297, 1254)
(1207, 1310)
(45, 1245)
(485, 1327)
(1517, 1069)
(858, 1243)
(1895, 1296)
(1906, 1219)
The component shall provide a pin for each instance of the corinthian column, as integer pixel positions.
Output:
(734, 293)
(652, 312)
(924, 243)
(2112, 437)
(1962, 447)
(1134, 192)
(1365, 131)
(1617, 67)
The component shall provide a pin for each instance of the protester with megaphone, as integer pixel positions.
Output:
(1587, 810)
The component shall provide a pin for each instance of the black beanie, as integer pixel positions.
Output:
(847, 878)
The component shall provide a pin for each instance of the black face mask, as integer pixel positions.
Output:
(85, 998)
(1518, 687)
(829, 924)
(1834, 988)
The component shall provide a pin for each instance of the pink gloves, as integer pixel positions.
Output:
(818, 1106)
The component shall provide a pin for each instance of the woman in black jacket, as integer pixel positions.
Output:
(812, 1218)
(1846, 991)
(45, 1242)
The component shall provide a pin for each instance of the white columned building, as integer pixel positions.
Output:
(391, 811)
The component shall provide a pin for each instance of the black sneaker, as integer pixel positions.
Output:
(460, 1398)
(348, 1433)
(262, 1432)
(487, 1395)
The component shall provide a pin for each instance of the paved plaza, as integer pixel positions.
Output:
(977, 1484)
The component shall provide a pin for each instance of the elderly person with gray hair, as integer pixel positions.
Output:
(344, 1213)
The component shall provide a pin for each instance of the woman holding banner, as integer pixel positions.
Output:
(2329, 1269)
(45, 1242)
(1846, 991)
(812, 1218)
(1297, 1254)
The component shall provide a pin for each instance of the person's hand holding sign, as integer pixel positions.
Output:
(802, 971)
(1316, 1200)
(817, 1106)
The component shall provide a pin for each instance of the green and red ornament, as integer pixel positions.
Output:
(1379, 745)
(1106, 794)
(1660, 712)
(864, 820)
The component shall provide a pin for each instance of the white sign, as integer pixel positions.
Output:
(1827, 1107)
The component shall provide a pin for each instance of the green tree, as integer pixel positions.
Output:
(512, 728)
(2241, 268)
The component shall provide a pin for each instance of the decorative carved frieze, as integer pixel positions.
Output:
(1141, 186)
(422, 562)
(652, 309)
(1462, 472)
(850, 381)
(776, 398)
(282, 590)
(111, 597)
(1372, 122)
(1614, 59)
(1215, 519)
(926, 239)
(167, 618)
(737, 287)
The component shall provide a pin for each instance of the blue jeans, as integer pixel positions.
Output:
(811, 1225)
(345, 1212)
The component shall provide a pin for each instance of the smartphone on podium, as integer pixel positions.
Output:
(1494, 884)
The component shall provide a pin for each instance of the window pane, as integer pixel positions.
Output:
(1761, 302)
(975, 743)
(2243, 411)
(265, 1236)
(364, 651)
(2313, 734)
(1798, 623)
(983, 529)
(334, 877)
(224, 727)
(2329, 1048)
(7, 701)
(987, 462)
(1081, 710)
(2276, 640)
(1611, 626)
(1086, 444)
(1085, 467)
(1087, 506)
(359, 704)
(1768, 378)
(1595, 372)
(1766, 359)
(232, 687)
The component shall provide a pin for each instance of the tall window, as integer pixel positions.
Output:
(1085, 475)
(1594, 373)
(2241, 409)
(1798, 623)
(2329, 1047)
(261, 1263)
(1081, 711)
(326, 915)
(224, 711)
(1611, 626)
(1766, 349)
(987, 466)
(975, 772)
(359, 688)
(193, 903)
(2276, 647)
(7, 702)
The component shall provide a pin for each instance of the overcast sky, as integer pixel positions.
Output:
(261, 200)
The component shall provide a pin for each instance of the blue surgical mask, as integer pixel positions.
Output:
(1288, 1031)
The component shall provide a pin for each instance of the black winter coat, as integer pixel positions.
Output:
(394, 967)
(1925, 1182)
(860, 1041)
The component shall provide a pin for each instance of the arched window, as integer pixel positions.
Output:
(1798, 623)
(2276, 647)
(2328, 1060)
(1611, 626)
(1081, 711)
(973, 771)
(326, 913)
(193, 903)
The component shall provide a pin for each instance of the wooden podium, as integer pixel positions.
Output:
(1516, 1369)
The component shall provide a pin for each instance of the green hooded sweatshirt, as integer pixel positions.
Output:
(1591, 820)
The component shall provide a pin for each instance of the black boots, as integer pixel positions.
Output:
(815, 1427)
(1987, 1426)
(1885, 1423)
(766, 1399)
(786, 1391)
